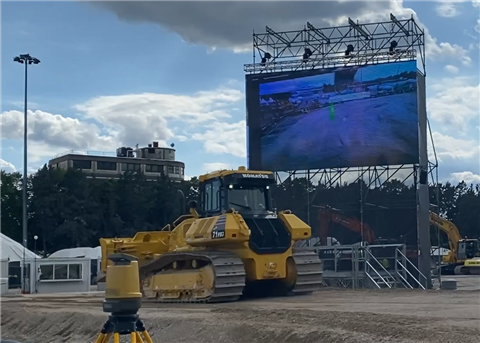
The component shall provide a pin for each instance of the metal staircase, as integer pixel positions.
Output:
(396, 277)
(380, 278)
(368, 266)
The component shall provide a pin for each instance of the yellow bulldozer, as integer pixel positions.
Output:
(232, 243)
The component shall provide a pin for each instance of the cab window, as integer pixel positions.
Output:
(212, 196)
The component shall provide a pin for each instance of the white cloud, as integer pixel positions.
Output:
(466, 176)
(454, 112)
(448, 147)
(7, 166)
(451, 69)
(455, 103)
(105, 123)
(224, 138)
(210, 167)
(477, 26)
(448, 8)
(230, 24)
(50, 133)
(456, 157)
(181, 138)
(21, 104)
(445, 51)
(135, 117)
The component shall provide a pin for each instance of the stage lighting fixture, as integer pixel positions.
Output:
(349, 50)
(307, 54)
(266, 58)
(392, 47)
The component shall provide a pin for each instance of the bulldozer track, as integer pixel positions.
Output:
(229, 278)
(309, 272)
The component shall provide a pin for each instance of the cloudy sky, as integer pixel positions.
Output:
(122, 73)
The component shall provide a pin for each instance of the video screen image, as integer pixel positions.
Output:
(343, 117)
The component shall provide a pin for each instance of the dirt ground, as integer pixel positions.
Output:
(327, 316)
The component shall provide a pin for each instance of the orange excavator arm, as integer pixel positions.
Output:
(329, 215)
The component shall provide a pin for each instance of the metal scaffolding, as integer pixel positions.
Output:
(373, 176)
(354, 44)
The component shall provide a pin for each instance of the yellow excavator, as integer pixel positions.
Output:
(463, 254)
(232, 243)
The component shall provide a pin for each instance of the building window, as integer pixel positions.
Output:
(82, 164)
(153, 168)
(61, 271)
(131, 167)
(101, 165)
(176, 170)
(170, 170)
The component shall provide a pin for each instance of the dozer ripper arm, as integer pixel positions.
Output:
(452, 233)
(145, 246)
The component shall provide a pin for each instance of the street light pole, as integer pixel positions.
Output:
(25, 59)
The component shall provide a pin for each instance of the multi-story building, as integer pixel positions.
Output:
(151, 161)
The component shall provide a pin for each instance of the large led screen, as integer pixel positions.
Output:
(333, 118)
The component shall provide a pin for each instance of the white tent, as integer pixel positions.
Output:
(13, 250)
(435, 251)
(92, 253)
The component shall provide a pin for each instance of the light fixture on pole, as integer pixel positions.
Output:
(35, 273)
(27, 60)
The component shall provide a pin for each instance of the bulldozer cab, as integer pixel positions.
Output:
(246, 192)
(468, 248)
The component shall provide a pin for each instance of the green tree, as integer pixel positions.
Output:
(11, 207)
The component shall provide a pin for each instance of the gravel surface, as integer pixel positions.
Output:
(326, 316)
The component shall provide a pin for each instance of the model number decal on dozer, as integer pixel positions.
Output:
(218, 234)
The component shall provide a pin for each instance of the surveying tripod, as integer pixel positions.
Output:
(123, 299)
(124, 324)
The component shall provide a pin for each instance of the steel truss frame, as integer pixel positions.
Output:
(371, 43)
(371, 174)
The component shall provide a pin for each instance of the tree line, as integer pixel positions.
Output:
(65, 209)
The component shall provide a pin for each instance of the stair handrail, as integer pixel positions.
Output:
(380, 276)
(403, 279)
(378, 262)
(372, 279)
(416, 269)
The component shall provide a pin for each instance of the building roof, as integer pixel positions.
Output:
(13, 251)
(92, 253)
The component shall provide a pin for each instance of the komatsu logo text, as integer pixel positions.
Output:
(256, 176)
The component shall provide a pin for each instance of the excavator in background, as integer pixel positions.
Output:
(461, 258)
(328, 214)
(232, 243)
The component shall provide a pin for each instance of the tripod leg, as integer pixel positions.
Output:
(106, 337)
(106, 332)
(133, 337)
(148, 339)
(141, 328)
(139, 338)
(100, 338)
(116, 337)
